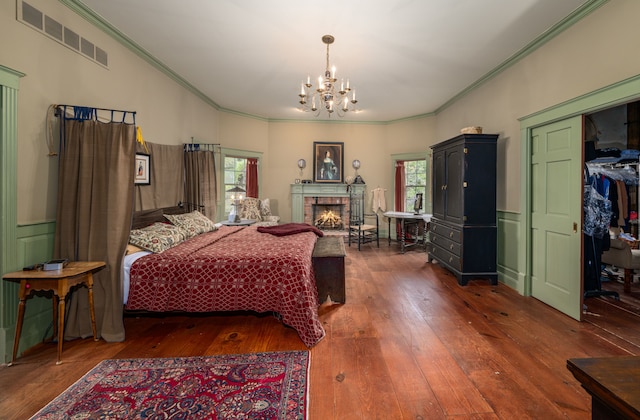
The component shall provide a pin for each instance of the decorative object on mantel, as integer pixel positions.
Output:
(356, 165)
(236, 201)
(328, 162)
(327, 95)
(301, 165)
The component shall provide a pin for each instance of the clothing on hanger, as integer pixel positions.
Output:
(379, 201)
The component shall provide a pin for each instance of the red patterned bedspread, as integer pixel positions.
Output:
(233, 269)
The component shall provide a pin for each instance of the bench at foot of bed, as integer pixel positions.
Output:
(328, 266)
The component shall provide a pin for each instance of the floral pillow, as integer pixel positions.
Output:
(265, 207)
(158, 237)
(251, 209)
(193, 223)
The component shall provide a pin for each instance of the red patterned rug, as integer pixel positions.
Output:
(240, 386)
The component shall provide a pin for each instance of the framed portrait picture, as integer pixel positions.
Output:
(328, 162)
(143, 169)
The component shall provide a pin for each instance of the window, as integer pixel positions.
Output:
(415, 175)
(235, 175)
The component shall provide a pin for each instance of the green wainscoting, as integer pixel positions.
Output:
(511, 251)
(34, 245)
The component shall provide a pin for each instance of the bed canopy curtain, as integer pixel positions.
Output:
(94, 210)
(200, 177)
(167, 177)
(252, 177)
(399, 200)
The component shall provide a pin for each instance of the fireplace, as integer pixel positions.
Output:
(331, 196)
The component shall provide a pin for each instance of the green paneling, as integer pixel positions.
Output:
(510, 262)
(34, 244)
(9, 81)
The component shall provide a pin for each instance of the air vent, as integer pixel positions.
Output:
(87, 48)
(72, 39)
(57, 31)
(53, 28)
(32, 16)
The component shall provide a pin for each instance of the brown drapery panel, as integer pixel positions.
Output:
(398, 200)
(93, 217)
(167, 178)
(252, 177)
(200, 181)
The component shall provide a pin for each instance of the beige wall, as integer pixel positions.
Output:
(167, 113)
(372, 144)
(600, 50)
(597, 51)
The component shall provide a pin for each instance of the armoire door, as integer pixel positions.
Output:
(556, 215)
(439, 183)
(455, 177)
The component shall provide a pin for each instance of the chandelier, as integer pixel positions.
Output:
(327, 95)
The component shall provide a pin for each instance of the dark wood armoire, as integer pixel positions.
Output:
(463, 232)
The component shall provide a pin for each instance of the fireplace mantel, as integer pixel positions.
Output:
(300, 191)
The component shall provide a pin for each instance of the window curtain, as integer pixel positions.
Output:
(167, 177)
(200, 181)
(252, 177)
(93, 217)
(398, 201)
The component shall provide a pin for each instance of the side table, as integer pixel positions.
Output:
(612, 383)
(60, 282)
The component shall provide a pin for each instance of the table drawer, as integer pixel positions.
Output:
(446, 231)
(445, 257)
(445, 243)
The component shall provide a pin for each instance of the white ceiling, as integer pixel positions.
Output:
(404, 58)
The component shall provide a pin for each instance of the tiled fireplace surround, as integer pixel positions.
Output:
(304, 196)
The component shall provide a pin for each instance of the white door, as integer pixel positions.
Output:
(556, 215)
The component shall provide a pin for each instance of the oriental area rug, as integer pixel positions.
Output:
(271, 385)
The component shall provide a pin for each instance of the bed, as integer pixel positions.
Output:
(230, 269)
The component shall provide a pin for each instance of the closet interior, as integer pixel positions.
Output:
(611, 167)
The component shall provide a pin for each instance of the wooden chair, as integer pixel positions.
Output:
(363, 227)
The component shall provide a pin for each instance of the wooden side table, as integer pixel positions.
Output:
(612, 383)
(60, 282)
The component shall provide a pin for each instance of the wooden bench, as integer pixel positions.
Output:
(328, 266)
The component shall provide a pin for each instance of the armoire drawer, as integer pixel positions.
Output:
(445, 243)
(445, 257)
(446, 231)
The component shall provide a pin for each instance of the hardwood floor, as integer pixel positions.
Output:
(409, 343)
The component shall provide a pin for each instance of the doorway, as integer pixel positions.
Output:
(613, 136)
(621, 93)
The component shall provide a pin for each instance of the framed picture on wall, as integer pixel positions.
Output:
(143, 169)
(328, 162)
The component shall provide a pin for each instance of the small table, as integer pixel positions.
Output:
(60, 282)
(242, 222)
(407, 218)
(612, 383)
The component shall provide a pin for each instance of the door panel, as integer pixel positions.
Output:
(439, 183)
(454, 162)
(556, 205)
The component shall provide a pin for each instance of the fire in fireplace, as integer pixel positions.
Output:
(328, 220)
